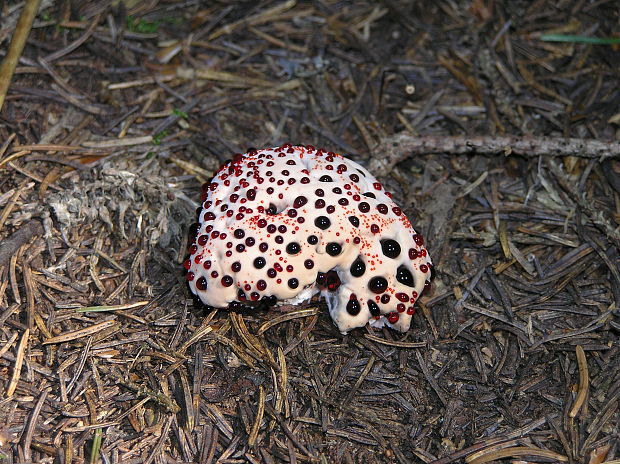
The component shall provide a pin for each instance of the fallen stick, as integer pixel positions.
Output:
(22, 29)
(392, 150)
(9, 246)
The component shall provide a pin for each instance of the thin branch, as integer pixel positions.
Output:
(392, 150)
(9, 246)
(22, 29)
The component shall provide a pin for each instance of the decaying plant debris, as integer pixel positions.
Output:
(118, 111)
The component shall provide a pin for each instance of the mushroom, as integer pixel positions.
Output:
(281, 224)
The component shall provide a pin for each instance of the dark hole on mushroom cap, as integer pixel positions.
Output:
(353, 307)
(404, 276)
(293, 248)
(390, 248)
(333, 249)
(378, 284)
(322, 222)
(358, 268)
(300, 201)
(201, 284)
(272, 210)
(374, 308)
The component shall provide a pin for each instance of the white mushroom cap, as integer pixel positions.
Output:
(282, 224)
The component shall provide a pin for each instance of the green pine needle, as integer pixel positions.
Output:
(96, 448)
(580, 39)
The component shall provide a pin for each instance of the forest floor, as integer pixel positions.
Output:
(119, 111)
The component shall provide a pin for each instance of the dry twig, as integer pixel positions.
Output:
(20, 237)
(392, 150)
(22, 29)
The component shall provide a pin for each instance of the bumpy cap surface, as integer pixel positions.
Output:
(282, 224)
